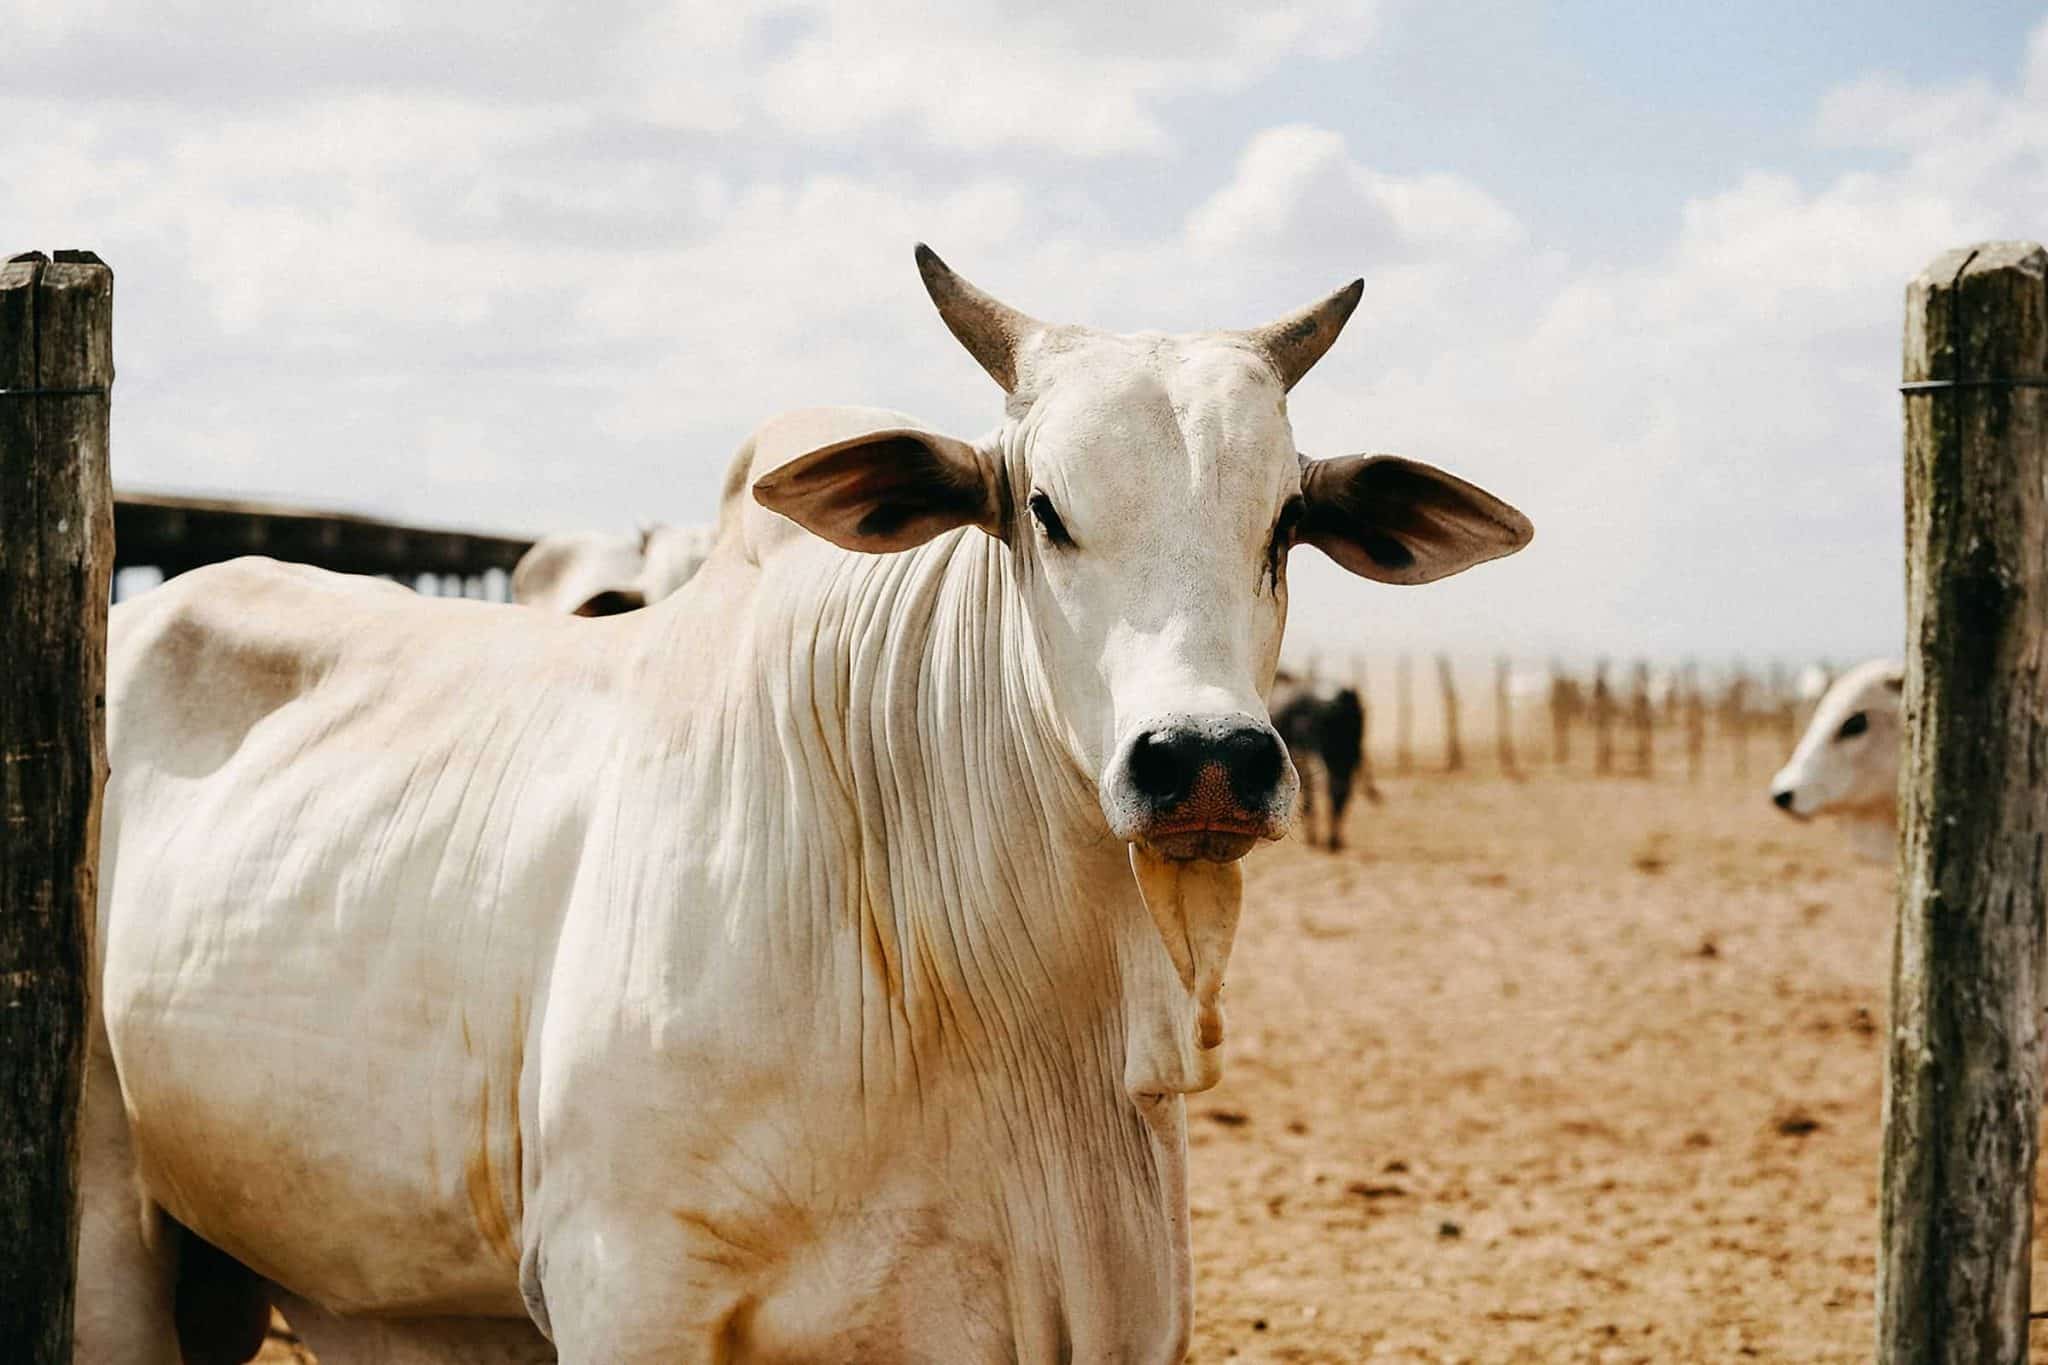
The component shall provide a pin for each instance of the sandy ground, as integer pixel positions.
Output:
(1558, 1070)
(1548, 1070)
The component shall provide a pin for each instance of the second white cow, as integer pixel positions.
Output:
(603, 573)
(1846, 765)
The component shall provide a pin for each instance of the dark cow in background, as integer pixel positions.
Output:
(1324, 726)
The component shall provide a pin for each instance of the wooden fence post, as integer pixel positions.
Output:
(1963, 1069)
(1735, 717)
(1564, 707)
(1695, 723)
(56, 567)
(1447, 683)
(1404, 716)
(1784, 706)
(1644, 718)
(1504, 718)
(1603, 721)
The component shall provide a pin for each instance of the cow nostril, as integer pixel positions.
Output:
(1162, 767)
(1253, 757)
(1166, 764)
(1782, 800)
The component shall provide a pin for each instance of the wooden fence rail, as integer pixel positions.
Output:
(174, 534)
(56, 551)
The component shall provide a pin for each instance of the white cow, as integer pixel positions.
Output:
(602, 573)
(1847, 763)
(807, 967)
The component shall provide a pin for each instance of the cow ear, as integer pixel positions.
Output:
(1398, 521)
(885, 490)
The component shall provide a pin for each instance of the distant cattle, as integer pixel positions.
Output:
(808, 967)
(1846, 765)
(1324, 727)
(603, 573)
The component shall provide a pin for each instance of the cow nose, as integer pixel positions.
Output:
(1166, 764)
(1783, 799)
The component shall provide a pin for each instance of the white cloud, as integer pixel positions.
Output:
(1710, 437)
(1078, 77)
(1297, 191)
(429, 272)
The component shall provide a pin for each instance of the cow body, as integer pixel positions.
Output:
(421, 1078)
(807, 967)
(1325, 732)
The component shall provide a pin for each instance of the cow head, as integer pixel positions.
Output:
(1149, 491)
(604, 573)
(581, 573)
(1847, 762)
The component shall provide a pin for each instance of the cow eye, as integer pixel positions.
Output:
(1048, 519)
(1854, 726)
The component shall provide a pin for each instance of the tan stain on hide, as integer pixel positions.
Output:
(480, 1180)
(512, 1107)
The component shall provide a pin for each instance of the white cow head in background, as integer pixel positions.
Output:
(1847, 762)
(1148, 490)
(604, 573)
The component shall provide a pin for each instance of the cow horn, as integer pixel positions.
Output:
(1296, 342)
(991, 331)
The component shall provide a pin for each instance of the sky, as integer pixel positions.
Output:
(1637, 269)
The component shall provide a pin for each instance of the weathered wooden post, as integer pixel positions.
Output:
(1644, 717)
(1695, 723)
(1735, 717)
(56, 565)
(1784, 706)
(1504, 718)
(1404, 716)
(1603, 721)
(1564, 707)
(1447, 684)
(1963, 1069)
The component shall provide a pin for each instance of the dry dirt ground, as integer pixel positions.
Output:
(1552, 1070)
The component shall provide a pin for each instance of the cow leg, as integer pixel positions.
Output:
(1314, 778)
(336, 1340)
(127, 1252)
(1365, 782)
(1340, 797)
